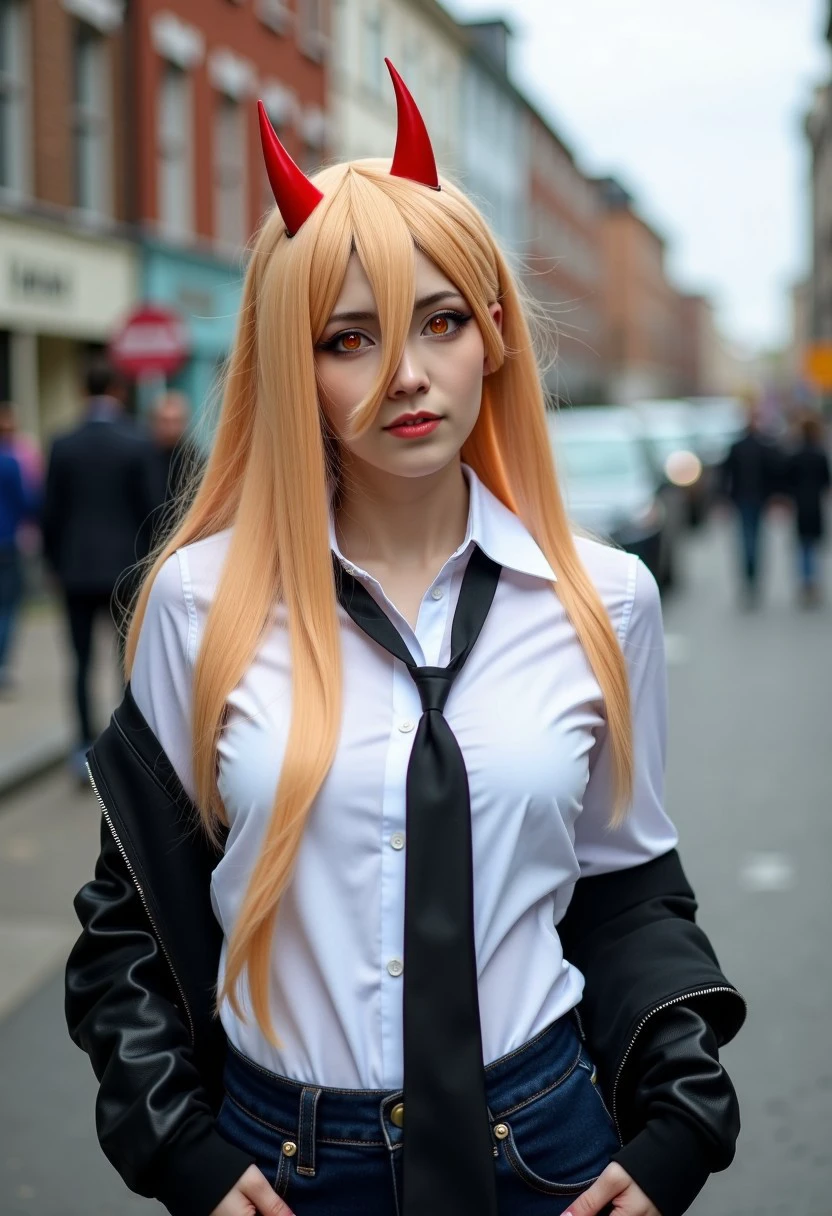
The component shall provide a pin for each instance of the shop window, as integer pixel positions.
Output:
(93, 163)
(311, 33)
(14, 75)
(230, 210)
(175, 170)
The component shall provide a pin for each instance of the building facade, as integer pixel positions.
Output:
(642, 327)
(200, 185)
(818, 128)
(426, 46)
(68, 268)
(564, 264)
(496, 150)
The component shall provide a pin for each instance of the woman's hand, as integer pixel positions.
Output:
(252, 1195)
(615, 1187)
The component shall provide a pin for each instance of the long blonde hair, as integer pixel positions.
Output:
(267, 475)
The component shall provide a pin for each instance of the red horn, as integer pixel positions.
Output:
(413, 157)
(293, 192)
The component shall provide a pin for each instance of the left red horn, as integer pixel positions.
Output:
(293, 192)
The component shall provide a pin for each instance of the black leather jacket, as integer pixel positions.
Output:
(140, 987)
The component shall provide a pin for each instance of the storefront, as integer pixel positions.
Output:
(206, 293)
(61, 295)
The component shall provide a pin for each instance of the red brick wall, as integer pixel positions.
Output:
(52, 92)
(236, 28)
(52, 33)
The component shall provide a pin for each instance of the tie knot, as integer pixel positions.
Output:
(434, 684)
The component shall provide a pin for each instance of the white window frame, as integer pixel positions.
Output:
(15, 174)
(230, 171)
(312, 38)
(174, 152)
(92, 130)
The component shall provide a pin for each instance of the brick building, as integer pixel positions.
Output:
(564, 264)
(642, 317)
(200, 186)
(130, 169)
(68, 270)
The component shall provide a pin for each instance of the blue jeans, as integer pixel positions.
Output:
(750, 515)
(11, 596)
(337, 1152)
(808, 561)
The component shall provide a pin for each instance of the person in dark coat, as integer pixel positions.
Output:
(751, 475)
(808, 480)
(97, 496)
(175, 461)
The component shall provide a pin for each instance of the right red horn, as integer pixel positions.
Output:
(413, 157)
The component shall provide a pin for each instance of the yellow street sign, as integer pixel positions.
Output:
(818, 365)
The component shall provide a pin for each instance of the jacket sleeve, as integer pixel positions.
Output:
(656, 1008)
(153, 1117)
(686, 1107)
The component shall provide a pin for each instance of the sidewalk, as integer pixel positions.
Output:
(37, 727)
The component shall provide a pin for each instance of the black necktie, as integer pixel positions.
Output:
(448, 1162)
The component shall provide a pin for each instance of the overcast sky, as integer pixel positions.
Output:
(698, 108)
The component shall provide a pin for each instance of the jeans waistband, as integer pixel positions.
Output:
(370, 1116)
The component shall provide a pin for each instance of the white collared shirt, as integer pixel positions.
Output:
(529, 718)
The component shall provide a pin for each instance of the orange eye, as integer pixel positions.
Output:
(351, 341)
(438, 325)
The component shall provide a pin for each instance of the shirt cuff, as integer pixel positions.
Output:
(198, 1172)
(669, 1161)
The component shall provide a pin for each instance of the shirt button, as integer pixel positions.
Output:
(406, 726)
(397, 840)
(437, 593)
(395, 966)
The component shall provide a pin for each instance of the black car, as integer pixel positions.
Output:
(609, 485)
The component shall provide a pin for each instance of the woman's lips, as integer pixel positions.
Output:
(414, 430)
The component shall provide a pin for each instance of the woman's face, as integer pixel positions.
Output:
(438, 381)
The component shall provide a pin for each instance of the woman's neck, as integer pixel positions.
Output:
(400, 523)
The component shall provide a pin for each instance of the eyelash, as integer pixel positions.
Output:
(461, 318)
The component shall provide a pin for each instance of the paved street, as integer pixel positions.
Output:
(749, 785)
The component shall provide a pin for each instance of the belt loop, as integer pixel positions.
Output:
(309, 1096)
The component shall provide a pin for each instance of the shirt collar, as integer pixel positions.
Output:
(493, 527)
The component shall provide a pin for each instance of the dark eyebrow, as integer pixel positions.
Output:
(426, 302)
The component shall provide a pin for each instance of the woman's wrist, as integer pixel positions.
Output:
(670, 1161)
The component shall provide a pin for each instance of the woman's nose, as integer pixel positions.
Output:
(410, 377)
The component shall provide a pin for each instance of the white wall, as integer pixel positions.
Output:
(362, 102)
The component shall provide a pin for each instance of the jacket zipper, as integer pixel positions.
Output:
(145, 905)
(677, 1000)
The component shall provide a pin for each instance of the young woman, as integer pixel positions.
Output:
(383, 803)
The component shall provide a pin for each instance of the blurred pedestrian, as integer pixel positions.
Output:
(808, 481)
(751, 475)
(175, 460)
(26, 447)
(97, 496)
(18, 503)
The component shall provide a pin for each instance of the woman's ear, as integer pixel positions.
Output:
(496, 310)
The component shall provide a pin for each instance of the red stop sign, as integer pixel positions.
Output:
(152, 341)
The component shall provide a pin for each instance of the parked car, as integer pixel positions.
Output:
(609, 485)
(718, 421)
(669, 429)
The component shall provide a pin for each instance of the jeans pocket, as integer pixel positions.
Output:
(559, 1141)
(266, 1144)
